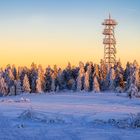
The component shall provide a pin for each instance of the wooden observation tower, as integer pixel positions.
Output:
(109, 41)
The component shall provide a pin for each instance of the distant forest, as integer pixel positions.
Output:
(87, 77)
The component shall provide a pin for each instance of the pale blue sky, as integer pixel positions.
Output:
(57, 31)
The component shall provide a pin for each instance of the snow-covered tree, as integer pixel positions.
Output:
(129, 73)
(74, 72)
(139, 80)
(133, 78)
(48, 79)
(135, 63)
(131, 82)
(103, 69)
(38, 85)
(60, 80)
(18, 87)
(118, 67)
(21, 73)
(133, 90)
(87, 79)
(40, 73)
(110, 79)
(80, 78)
(137, 77)
(68, 77)
(9, 77)
(15, 88)
(96, 70)
(26, 84)
(12, 90)
(3, 87)
(119, 82)
(96, 86)
(53, 77)
(33, 77)
(10, 73)
(103, 76)
(14, 72)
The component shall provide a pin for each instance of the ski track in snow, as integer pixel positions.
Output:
(67, 116)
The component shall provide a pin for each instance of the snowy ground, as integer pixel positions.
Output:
(69, 116)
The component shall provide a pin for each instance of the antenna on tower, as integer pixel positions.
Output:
(109, 41)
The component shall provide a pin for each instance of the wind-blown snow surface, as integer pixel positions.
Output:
(69, 116)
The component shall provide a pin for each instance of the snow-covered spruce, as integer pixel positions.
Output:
(3, 86)
(96, 86)
(38, 85)
(81, 77)
(26, 84)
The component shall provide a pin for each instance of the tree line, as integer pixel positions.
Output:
(85, 77)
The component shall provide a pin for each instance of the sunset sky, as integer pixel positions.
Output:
(58, 31)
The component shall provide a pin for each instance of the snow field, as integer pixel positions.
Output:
(79, 115)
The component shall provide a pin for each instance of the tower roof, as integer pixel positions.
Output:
(109, 21)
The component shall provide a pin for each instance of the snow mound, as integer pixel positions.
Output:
(21, 100)
(132, 121)
(30, 114)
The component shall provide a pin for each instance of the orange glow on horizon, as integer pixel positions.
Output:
(59, 52)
